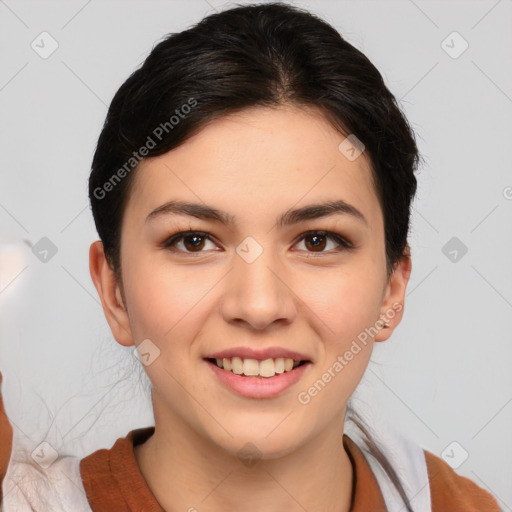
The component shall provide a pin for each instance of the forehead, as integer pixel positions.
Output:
(258, 161)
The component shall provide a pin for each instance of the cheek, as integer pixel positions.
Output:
(345, 300)
(344, 310)
(164, 301)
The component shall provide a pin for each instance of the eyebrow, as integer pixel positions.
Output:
(290, 217)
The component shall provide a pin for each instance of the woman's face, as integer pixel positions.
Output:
(256, 283)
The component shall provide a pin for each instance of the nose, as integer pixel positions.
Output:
(259, 293)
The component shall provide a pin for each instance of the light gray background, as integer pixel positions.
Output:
(445, 374)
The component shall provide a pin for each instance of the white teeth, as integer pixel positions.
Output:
(267, 368)
(253, 367)
(237, 365)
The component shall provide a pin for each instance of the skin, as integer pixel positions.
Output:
(255, 164)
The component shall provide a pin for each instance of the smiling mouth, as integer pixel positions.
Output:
(246, 367)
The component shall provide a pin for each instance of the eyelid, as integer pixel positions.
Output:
(343, 243)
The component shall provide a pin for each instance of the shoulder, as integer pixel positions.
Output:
(451, 492)
(111, 477)
(102, 463)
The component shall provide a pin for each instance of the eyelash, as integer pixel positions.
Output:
(345, 244)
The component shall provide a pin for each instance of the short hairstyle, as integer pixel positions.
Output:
(253, 55)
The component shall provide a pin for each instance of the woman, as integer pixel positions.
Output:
(251, 188)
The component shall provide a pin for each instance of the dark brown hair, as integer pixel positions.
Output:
(267, 55)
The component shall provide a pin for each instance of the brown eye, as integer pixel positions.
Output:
(193, 241)
(316, 241)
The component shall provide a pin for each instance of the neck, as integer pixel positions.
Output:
(185, 471)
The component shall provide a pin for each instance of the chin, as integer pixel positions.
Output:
(265, 440)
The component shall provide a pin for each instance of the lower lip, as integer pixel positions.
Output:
(259, 387)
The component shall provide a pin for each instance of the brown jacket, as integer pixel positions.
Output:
(112, 481)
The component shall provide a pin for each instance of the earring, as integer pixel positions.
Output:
(385, 323)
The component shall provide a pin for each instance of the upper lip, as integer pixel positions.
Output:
(259, 354)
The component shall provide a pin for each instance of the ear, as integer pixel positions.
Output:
(392, 308)
(110, 293)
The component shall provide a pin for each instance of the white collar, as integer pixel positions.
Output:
(405, 456)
